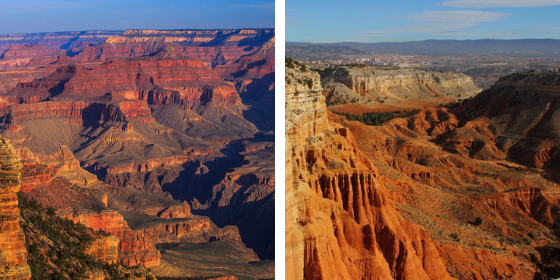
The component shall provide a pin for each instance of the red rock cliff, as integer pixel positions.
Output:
(13, 254)
(339, 222)
(28, 55)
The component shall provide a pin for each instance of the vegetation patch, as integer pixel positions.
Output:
(378, 118)
(57, 247)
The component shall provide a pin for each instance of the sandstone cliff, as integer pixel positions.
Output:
(363, 84)
(13, 254)
(340, 223)
(479, 177)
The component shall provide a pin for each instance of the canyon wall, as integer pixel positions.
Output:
(13, 253)
(480, 177)
(28, 55)
(55, 40)
(113, 131)
(340, 223)
(392, 84)
(522, 113)
(214, 47)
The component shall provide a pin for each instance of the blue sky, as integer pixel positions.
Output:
(412, 20)
(26, 16)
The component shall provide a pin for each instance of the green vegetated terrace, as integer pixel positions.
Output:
(378, 118)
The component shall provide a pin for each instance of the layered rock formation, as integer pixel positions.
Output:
(13, 254)
(28, 55)
(115, 133)
(135, 223)
(214, 47)
(161, 78)
(55, 40)
(340, 223)
(363, 84)
(479, 177)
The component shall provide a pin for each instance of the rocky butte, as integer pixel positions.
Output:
(476, 180)
(163, 139)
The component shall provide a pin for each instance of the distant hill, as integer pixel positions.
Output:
(521, 47)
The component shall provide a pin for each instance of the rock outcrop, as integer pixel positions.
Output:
(28, 55)
(134, 249)
(55, 40)
(340, 223)
(153, 79)
(214, 47)
(105, 249)
(13, 253)
(363, 84)
(480, 177)
(517, 117)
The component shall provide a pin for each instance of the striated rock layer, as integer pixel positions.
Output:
(161, 78)
(136, 220)
(480, 177)
(214, 47)
(340, 223)
(55, 40)
(28, 55)
(143, 112)
(364, 84)
(13, 254)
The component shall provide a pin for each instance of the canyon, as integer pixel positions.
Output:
(163, 139)
(340, 223)
(469, 191)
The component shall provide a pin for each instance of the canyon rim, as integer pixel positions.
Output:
(137, 154)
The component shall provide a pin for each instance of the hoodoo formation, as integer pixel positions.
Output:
(468, 191)
(164, 139)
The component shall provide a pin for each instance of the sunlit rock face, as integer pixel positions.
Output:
(339, 222)
(13, 254)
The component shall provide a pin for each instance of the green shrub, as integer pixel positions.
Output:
(478, 221)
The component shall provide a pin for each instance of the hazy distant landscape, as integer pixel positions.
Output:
(484, 60)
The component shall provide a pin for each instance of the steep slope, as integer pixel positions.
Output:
(214, 47)
(142, 135)
(55, 40)
(523, 113)
(59, 248)
(139, 220)
(364, 84)
(28, 55)
(340, 223)
(13, 255)
(475, 176)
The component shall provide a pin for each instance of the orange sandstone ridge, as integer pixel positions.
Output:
(340, 223)
(480, 177)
